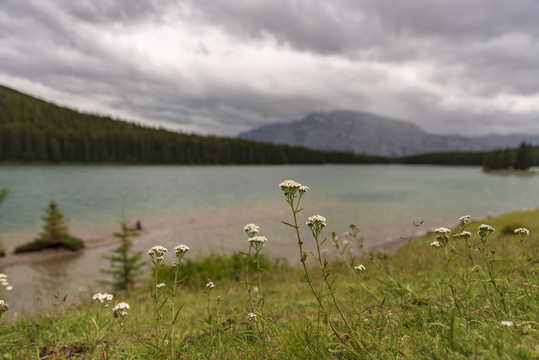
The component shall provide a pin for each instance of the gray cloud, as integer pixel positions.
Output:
(225, 66)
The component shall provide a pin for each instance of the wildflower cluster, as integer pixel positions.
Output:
(102, 298)
(462, 235)
(251, 317)
(522, 232)
(360, 267)
(157, 253)
(3, 307)
(180, 251)
(442, 237)
(251, 230)
(464, 220)
(121, 309)
(485, 230)
(316, 223)
(5, 283)
(291, 188)
(210, 285)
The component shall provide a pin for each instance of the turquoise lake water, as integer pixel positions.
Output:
(207, 206)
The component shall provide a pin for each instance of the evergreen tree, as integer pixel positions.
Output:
(125, 265)
(55, 227)
(54, 235)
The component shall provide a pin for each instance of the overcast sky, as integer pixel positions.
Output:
(226, 66)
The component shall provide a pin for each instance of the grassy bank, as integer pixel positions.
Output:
(448, 302)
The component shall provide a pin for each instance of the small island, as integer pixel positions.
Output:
(54, 235)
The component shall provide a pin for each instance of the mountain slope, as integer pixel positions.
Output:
(360, 133)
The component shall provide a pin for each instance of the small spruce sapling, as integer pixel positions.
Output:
(125, 265)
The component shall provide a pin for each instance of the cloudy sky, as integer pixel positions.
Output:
(225, 66)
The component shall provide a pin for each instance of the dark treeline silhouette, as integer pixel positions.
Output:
(36, 131)
(32, 130)
(519, 159)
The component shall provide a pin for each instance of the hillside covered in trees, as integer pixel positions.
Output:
(36, 131)
(33, 130)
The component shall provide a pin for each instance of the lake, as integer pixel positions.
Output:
(206, 208)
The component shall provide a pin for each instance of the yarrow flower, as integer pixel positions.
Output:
(290, 187)
(442, 235)
(360, 267)
(210, 285)
(157, 252)
(180, 251)
(258, 239)
(508, 323)
(522, 232)
(251, 229)
(435, 244)
(120, 309)
(442, 230)
(316, 221)
(251, 317)
(463, 235)
(464, 220)
(485, 230)
(3, 307)
(102, 298)
(160, 286)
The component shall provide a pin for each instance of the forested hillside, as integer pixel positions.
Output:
(32, 130)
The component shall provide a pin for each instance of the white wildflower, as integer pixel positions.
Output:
(9, 288)
(360, 267)
(251, 317)
(289, 184)
(303, 189)
(290, 187)
(463, 235)
(160, 286)
(435, 244)
(464, 220)
(3, 307)
(258, 239)
(485, 229)
(255, 289)
(102, 298)
(442, 230)
(210, 285)
(522, 232)
(120, 309)
(251, 229)
(180, 250)
(508, 323)
(3, 276)
(316, 221)
(157, 252)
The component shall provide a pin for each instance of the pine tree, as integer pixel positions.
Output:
(125, 265)
(55, 227)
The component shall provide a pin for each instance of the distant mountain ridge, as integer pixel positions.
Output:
(360, 133)
(370, 134)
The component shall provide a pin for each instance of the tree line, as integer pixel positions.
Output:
(36, 131)
(32, 130)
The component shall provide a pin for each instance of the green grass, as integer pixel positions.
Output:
(400, 307)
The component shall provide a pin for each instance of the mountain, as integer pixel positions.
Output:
(360, 133)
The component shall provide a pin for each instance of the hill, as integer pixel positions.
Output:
(33, 130)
